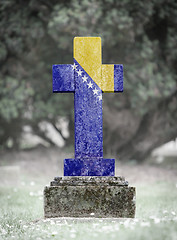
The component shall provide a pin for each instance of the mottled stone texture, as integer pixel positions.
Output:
(89, 197)
(88, 116)
(63, 72)
(87, 78)
(77, 194)
(118, 78)
(89, 167)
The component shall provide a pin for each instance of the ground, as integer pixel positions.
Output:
(24, 174)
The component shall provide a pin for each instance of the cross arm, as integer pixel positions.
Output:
(63, 78)
(112, 78)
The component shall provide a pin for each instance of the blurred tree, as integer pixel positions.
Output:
(140, 34)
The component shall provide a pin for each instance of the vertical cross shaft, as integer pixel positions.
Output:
(88, 99)
(87, 78)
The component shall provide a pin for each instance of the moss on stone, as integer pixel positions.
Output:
(104, 200)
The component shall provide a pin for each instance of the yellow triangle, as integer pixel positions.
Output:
(87, 52)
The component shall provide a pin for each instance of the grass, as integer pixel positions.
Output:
(21, 202)
(21, 216)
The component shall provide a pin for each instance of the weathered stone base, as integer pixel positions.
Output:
(89, 197)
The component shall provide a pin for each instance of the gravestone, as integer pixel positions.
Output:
(89, 187)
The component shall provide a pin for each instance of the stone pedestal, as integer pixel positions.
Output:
(89, 197)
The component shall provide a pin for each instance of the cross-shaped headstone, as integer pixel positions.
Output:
(87, 78)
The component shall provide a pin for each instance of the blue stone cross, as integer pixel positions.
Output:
(87, 78)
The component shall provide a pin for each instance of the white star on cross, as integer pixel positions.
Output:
(84, 79)
(100, 97)
(74, 66)
(90, 85)
(79, 72)
(95, 91)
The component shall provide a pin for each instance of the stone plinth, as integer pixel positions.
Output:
(89, 197)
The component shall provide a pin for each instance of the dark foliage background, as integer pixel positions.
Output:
(139, 34)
